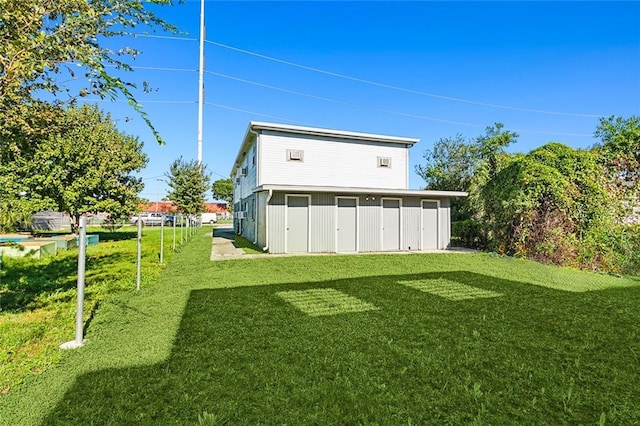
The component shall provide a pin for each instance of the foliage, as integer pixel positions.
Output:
(18, 143)
(223, 190)
(492, 144)
(621, 145)
(556, 204)
(189, 183)
(86, 166)
(450, 165)
(42, 40)
(468, 233)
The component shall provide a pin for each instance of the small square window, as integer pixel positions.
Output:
(384, 162)
(295, 155)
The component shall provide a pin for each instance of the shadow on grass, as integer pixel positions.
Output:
(115, 236)
(247, 356)
(25, 282)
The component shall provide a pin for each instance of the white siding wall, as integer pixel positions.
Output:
(323, 225)
(246, 183)
(331, 162)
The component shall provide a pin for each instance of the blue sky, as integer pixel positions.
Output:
(546, 70)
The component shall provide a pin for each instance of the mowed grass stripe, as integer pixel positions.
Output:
(450, 290)
(324, 301)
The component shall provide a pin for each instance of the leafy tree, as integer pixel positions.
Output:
(86, 166)
(189, 183)
(223, 190)
(40, 40)
(620, 149)
(542, 204)
(492, 144)
(450, 166)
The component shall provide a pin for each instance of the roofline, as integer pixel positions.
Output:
(255, 126)
(321, 131)
(357, 190)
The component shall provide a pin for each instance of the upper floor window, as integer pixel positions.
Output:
(295, 155)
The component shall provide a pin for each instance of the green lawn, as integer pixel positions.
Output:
(38, 296)
(372, 339)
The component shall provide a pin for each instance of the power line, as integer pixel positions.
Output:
(255, 113)
(386, 111)
(140, 103)
(163, 69)
(135, 35)
(398, 88)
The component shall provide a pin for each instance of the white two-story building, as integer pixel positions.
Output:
(304, 189)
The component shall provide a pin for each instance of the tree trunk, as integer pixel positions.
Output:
(75, 223)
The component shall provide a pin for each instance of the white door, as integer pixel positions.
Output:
(429, 225)
(297, 224)
(390, 225)
(347, 225)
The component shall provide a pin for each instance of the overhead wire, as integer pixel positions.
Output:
(326, 99)
(397, 88)
(383, 110)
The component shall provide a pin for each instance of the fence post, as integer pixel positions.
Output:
(162, 240)
(82, 255)
(139, 254)
(173, 245)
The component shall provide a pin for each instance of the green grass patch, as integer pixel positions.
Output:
(229, 342)
(38, 296)
(324, 301)
(247, 246)
(449, 289)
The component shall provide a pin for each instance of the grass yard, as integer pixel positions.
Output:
(372, 339)
(38, 296)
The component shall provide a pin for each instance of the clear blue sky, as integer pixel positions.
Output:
(573, 61)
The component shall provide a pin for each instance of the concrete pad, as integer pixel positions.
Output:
(223, 247)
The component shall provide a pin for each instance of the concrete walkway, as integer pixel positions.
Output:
(224, 248)
(223, 245)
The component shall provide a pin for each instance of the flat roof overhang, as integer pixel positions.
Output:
(366, 191)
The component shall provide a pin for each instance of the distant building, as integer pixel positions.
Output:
(169, 207)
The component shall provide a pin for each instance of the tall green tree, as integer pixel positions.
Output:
(189, 182)
(491, 145)
(42, 40)
(620, 149)
(223, 190)
(87, 165)
(450, 166)
(44, 46)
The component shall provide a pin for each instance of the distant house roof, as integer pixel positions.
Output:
(169, 207)
(255, 126)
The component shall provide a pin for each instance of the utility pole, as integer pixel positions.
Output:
(201, 83)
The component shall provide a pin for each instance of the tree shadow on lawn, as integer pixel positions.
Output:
(116, 235)
(25, 282)
(247, 356)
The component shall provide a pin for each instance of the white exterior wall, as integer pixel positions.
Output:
(331, 162)
(322, 226)
(243, 185)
